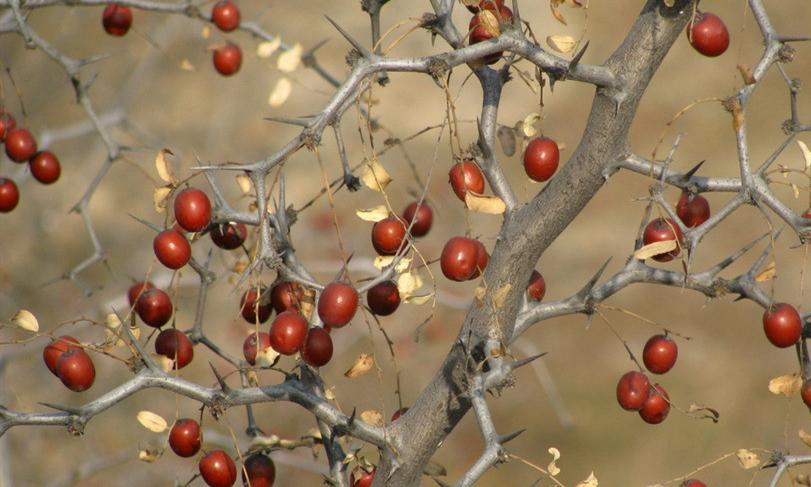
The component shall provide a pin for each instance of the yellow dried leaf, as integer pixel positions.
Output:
(489, 22)
(796, 190)
(205, 33)
(280, 93)
(186, 65)
(419, 299)
(362, 365)
(290, 59)
(554, 5)
(375, 176)
(373, 214)
(159, 198)
(267, 357)
(266, 49)
(552, 468)
(591, 481)
(112, 321)
(165, 363)
(244, 183)
(561, 44)
(408, 282)
(375, 418)
(787, 385)
(163, 166)
(655, 248)
(264, 441)
(490, 205)
(768, 273)
(500, 296)
(747, 459)
(26, 320)
(806, 154)
(805, 437)
(149, 455)
(151, 421)
(747, 75)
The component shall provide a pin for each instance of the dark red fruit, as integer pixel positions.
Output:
(488, 4)
(693, 212)
(260, 469)
(536, 289)
(116, 19)
(656, 407)
(317, 350)
(422, 215)
(20, 145)
(387, 235)
(175, 345)
(227, 59)
(217, 469)
(55, 349)
(287, 332)
(250, 348)
(9, 195)
(75, 369)
(693, 483)
(45, 167)
(185, 438)
(154, 307)
(7, 123)
(708, 34)
(479, 31)
(172, 249)
(807, 213)
(135, 291)
(782, 324)
(466, 176)
(398, 413)
(384, 298)
(362, 478)
(805, 393)
(460, 258)
(633, 389)
(229, 236)
(254, 310)
(662, 229)
(660, 354)
(225, 15)
(541, 158)
(337, 304)
(192, 209)
(286, 296)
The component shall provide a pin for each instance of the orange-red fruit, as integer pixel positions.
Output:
(75, 369)
(135, 291)
(693, 483)
(185, 438)
(229, 236)
(192, 209)
(227, 59)
(116, 19)
(541, 158)
(633, 389)
(287, 332)
(783, 325)
(20, 145)
(55, 349)
(286, 296)
(7, 123)
(693, 212)
(255, 305)
(805, 393)
(337, 304)
(466, 176)
(421, 215)
(807, 213)
(398, 413)
(460, 258)
(225, 15)
(255, 343)
(536, 289)
(488, 4)
(175, 345)
(662, 229)
(154, 307)
(708, 34)
(387, 235)
(656, 407)
(362, 478)
(317, 350)
(172, 249)
(479, 32)
(660, 354)
(261, 471)
(45, 167)
(9, 195)
(383, 298)
(217, 469)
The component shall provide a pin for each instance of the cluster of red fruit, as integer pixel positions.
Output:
(21, 147)
(66, 359)
(692, 210)
(634, 391)
(482, 26)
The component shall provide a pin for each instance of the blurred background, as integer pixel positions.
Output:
(159, 84)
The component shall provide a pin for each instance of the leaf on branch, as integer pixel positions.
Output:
(244, 183)
(787, 385)
(186, 65)
(489, 22)
(491, 205)
(408, 282)
(150, 454)
(805, 437)
(290, 59)
(704, 412)
(419, 299)
(746, 74)
(159, 198)
(267, 357)
(362, 365)
(26, 320)
(552, 468)
(768, 273)
(266, 49)
(375, 176)
(655, 248)
(561, 44)
(527, 126)
(375, 418)
(591, 481)
(373, 214)
(383, 261)
(280, 93)
(747, 459)
(112, 321)
(151, 421)
(163, 166)
(806, 154)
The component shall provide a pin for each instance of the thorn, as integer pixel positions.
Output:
(507, 438)
(694, 170)
(311, 51)
(362, 50)
(576, 59)
(144, 222)
(351, 419)
(520, 363)
(590, 285)
(289, 121)
(58, 407)
(223, 385)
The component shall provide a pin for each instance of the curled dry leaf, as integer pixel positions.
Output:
(655, 248)
(383, 261)
(165, 363)
(747, 459)
(805, 437)
(112, 321)
(768, 273)
(163, 166)
(264, 441)
(290, 60)
(561, 44)
(375, 176)
(149, 455)
(280, 93)
(266, 49)
(362, 365)
(408, 282)
(419, 299)
(373, 214)
(267, 357)
(26, 320)
(552, 468)
(746, 74)
(186, 65)
(489, 22)
(152, 421)
(528, 125)
(591, 481)
(704, 412)
(375, 418)
(787, 385)
(244, 183)
(159, 198)
(490, 205)
(478, 295)
(806, 154)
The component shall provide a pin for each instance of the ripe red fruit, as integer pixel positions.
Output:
(422, 215)
(782, 324)
(192, 209)
(286, 296)
(805, 393)
(75, 369)
(7, 123)
(398, 413)
(9, 195)
(116, 19)
(693, 483)
(541, 158)
(387, 235)
(227, 59)
(537, 286)
(807, 213)
(337, 304)
(154, 307)
(466, 176)
(656, 407)
(229, 236)
(317, 349)
(45, 167)
(660, 354)
(362, 478)
(217, 469)
(693, 212)
(55, 349)
(481, 260)
(662, 229)
(20, 145)
(184, 438)
(255, 343)
(287, 332)
(460, 258)
(633, 389)
(172, 249)
(488, 4)
(708, 34)
(260, 469)
(225, 15)
(479, 31)
(175, 345)
(254, 310)
(383, 298)
(135, 291)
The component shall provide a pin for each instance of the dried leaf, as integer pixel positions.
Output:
(373, 214)
(478, 295)
(362, 365)
(552, 468)
(554, 5)
(589, 482)
(383, 261)
(165, 363)
(746, 74)
(375, 418)
(149, 455)
(408, 282)
(112, 321)
(489, 22)
(747, 459)
(491, 205)
(253, 378)
(806, 154)
(159, 198)
(527, 126)
(205, 33)
(267, 357)
(805, 437)
(704, 412)
(419, 299)
(280, 93)
(768, 273)
(264, 441)
(375, 176)
(655, 248)
(500, 296)
(163, 166)
(266, 49)
(290, 59)
(186, 65)
(796, 190)
(26, 320)
(244, 183)
(787, 385)
(561, 44)
(151, 421)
